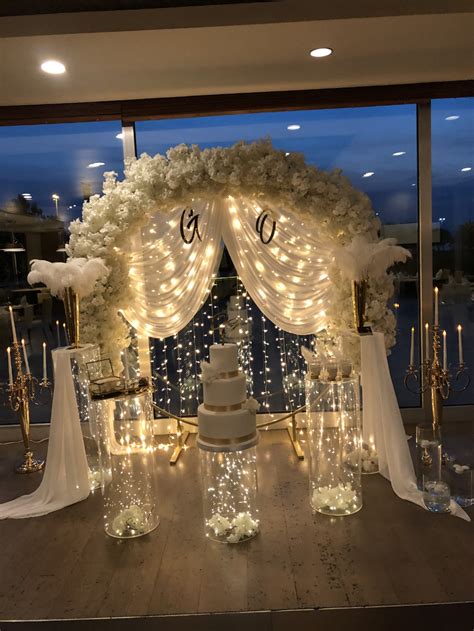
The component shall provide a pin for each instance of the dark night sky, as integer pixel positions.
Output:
(46, 159)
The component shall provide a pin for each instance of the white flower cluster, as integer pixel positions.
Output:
(130, 522)
(336, 498)
(326, 201)
(241, 527)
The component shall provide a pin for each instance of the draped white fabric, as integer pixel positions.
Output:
(286, 278)
(170, 278)
(285, 275)
(66, 476)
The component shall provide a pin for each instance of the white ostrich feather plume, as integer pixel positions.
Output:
(363, 259)
(79, 274)
(208, 373)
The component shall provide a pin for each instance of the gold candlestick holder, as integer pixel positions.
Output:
(21, 391)
(430, 375)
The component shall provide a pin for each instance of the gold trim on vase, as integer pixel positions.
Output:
(223, 408)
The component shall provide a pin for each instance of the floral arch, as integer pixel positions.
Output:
(160, 231)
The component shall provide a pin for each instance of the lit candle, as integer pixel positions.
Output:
(57, 333)
(436, 291)
(445, 352)
(25, 357)
(461, 356)
(10, 371)
(65, 334)
(45, 374)
(427, 341)
(412, 347)
(15, 339)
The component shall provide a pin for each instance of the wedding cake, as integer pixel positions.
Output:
(226, 415)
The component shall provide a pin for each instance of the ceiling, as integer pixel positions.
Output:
(231, 48)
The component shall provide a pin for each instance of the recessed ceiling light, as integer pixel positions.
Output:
(451, 118)
(321, 52)
(369, 174)
(293, 127)
(465, 169)
(399, 153)
(53, 67)
(119, 136)
(94, 165)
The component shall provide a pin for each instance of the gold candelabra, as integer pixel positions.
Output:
(431, 375)
(21, 390)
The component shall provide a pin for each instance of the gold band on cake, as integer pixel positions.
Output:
(229, 375)
(223, 408)
(228, 441)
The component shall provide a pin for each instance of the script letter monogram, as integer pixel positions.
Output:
(191, 225)
(260, 225)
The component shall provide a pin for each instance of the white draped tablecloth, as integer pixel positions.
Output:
(66, 475)
(382, 419)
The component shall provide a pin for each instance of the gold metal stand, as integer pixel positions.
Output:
(184, 435)
(293, 434)
(182, 438)
(20, 392)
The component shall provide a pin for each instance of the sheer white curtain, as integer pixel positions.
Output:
(286, 277)
(282, 264)
(170, 279)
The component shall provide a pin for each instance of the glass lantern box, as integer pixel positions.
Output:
(334, 436)
(124, 420)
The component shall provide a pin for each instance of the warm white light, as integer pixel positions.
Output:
(293, 127)
(94, 165)
(369, 174)
(119, 136)
(465, 169)
(321, 52)
(26, 194)
(451, 118)
(55, 196)
(53, 67)
(399, 153)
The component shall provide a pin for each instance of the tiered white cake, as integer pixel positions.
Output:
(227, 413)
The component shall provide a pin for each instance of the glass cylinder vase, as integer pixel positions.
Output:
(229, 487)
(334, 436)
(127, 461)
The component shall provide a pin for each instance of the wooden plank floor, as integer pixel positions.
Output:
(390, 553)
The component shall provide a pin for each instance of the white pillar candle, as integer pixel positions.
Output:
(445, 352)
(427, 341)
(436, 293)
(57, 333)
(25, 357)
(10, 371)
(12, 319)
(461, 355)
(412, 347)
(45, 374)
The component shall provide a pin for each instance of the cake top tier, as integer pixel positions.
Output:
(224, 357)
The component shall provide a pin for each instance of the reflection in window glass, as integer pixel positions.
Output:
(376, 149)
(46, 172)
(453, 218)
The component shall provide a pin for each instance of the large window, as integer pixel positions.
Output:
(376, 148)
(453, 215)
(46, 172)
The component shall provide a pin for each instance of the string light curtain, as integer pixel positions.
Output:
(170, 278)
(175, 257)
